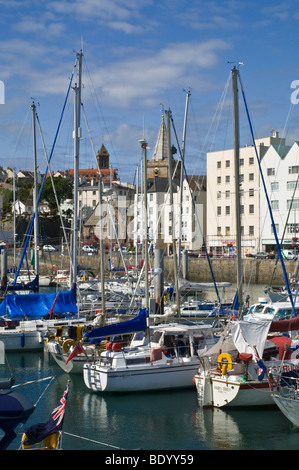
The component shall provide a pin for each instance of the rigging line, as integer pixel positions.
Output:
(54, 189)
(108, 205)
(98, 103)
(196, 216)
(268, 202)
(92, 440)
(285, 227)
(40, 192)
(20, 134)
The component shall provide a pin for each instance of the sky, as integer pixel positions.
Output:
(141, 57)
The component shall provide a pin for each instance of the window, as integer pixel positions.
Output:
(227, 230)
(251, 161)
(227, 179)
(218, 164)
(251, 230)
(242, 209)
(218, 179)
(218, 230)
(227, 194)
(251, 208)
(270, 171)
(227, 210)
(251, 176)
(275, 205)
(151, 197)
(218, 194)
(219, 210)
(251, 192)
(293, 228)
(242, 230)
(275, 186)
(276, 228)
(293, 203)
(227, 163)
(293, 169)
(291, 185)
(241, 162)
(241, 178)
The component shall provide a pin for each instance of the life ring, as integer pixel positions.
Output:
(98, 312)
(225, 363)
(67, 344)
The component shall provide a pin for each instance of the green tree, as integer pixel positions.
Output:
(63, 188)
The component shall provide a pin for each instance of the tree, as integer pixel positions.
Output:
(64, 190)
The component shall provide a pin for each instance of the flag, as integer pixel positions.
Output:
(78, 349)
(262, 367)
(38, 432)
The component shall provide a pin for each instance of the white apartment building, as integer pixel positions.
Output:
(280, 167)
(221, 206)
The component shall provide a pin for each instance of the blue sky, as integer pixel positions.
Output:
(141, 56)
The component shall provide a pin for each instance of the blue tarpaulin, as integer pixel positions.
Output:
(38, 305)
(137, 323)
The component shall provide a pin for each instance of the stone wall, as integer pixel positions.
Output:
(257, 271)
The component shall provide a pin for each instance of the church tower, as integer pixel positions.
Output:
(103, 158)
(158, 166)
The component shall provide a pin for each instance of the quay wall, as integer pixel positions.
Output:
(225, 270)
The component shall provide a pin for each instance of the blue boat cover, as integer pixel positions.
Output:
(137, 323)
(38, 305)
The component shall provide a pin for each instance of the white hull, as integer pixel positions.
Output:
(18, 340)
(289, 407)
(152, 377)
(220, 391)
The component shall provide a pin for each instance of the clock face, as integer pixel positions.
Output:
(156, 171)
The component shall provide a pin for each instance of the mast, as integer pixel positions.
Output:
(170, 170)
(102, 267)
(145, 244)
(235, 74)
(35, 195)
(182, 175)
(77, 137)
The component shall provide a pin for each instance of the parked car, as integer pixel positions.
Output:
(261, 255)
(89, 249)
(289, 254)
(49, 248)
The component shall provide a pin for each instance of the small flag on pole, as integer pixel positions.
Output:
(78, 349)
(38, 432)
(262, 367)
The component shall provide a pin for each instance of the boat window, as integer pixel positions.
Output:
(269, 310)
(139, 336)
(138, 360)
(156, 336)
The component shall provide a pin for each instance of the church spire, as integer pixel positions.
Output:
(161, 147)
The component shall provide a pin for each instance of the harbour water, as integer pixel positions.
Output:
(160, 421)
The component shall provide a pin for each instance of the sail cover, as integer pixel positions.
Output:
(38, 305)
(137, 323)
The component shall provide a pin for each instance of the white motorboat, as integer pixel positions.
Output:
(271, 311)
(165, 358)
(22, 336)
(235, 372)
